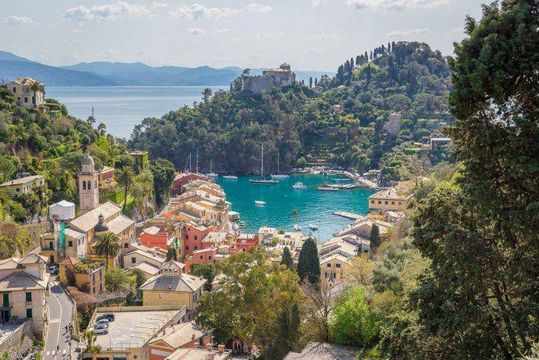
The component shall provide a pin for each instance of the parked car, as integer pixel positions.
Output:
(54, 269)
(102, 321)
(109, 317)
(101, 330)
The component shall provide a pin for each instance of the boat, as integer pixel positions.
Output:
(279, 175)
(313, 227)
(297, 227)
(262, 180)
(327, 187)
(299, 185)
(260, 203)
(242, 224)
(211, 174)
(230, 177)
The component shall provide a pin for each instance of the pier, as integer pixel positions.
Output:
(348, 215)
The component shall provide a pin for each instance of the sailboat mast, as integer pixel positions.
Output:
(262, 163)
(278, 162)
(196, 162)
(190, 158)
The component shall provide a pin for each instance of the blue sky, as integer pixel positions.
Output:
(310, 34)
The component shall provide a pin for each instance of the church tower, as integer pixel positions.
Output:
(88, 185)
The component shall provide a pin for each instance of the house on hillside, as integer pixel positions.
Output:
(180, 336)
(172, 289)
(24, 185)
(27, 92)
(388, 199)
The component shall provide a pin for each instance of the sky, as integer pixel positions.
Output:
(309, 34)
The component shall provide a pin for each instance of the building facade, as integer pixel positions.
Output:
(27, 92)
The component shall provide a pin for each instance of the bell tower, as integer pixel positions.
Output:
(88, 185)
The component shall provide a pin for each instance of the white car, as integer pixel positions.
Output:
(101, 330)
(102, 321)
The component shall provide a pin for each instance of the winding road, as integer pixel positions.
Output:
(59, 344)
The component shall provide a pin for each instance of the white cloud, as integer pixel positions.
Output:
(196, 31)
(394, 4)
(199, 12)
(259, 8)
(18, 20)
(156, 5)
(105, 12)
(220, 31)
(317, 3)
(405, 33)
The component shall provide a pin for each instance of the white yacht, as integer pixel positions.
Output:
(313, 227)
(297, 227)
(230, 177)
(260, 203)
(299, 185)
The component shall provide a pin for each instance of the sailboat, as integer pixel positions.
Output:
(211, 174)
(279, 175)
(263, 181)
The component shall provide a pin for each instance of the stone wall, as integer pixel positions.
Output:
(20, 343)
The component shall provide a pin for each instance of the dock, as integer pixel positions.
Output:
(348, 215)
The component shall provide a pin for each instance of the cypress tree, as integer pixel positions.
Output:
(287, 258)
(171, 255)
(310, 82)
(375, 236)
(309, 263)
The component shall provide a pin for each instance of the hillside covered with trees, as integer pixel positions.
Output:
(339, 121)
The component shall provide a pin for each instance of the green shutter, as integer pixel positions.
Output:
(5, 298)
(28, 296)
(29, 313)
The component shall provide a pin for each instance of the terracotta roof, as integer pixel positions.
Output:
(70, 261)
(179, 335)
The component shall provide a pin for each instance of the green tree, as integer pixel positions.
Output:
(353, 323)
(482, 229)
(171, 254)
(126, 178)
(163, 174)
(287, 258)
(206, 271)
(374, 236)
(107, 245)
(309, 263)
(119, 280)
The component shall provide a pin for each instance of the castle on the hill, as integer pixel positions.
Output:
(270, 78)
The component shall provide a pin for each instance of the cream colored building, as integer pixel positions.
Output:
(388, 199)
(334, 268)
(177, 289)
(24, 185)
(24, 94)
(24, 284)
(141, 254)
(363, 227)
(88, 185)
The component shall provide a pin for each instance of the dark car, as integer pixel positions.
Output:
(109, 317)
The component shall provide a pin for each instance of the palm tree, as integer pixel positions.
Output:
(107, 245)
(126, 179)
(35, 87)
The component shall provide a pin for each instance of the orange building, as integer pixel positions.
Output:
(246, 243)
(155, 236)
(193, 235)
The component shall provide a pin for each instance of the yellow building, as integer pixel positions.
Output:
(25, 94)
(172, 289)
(333, 269)
(388, 199)
(24, 185)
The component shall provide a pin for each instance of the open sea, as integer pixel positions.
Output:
(120, 108)
(313, 206)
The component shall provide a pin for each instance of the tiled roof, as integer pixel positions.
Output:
(179, 335)
(20, 280)
(177, 282)
(23, 180)
(88, 220)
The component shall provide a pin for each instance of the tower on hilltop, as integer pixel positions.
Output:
(88, 185)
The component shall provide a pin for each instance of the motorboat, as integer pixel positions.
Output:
(230, 177)
(297, 227)
(327, 187)
(299, 185)
(242, 224)
(260, 203)
(313, 227)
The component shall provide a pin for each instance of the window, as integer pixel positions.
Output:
(196, 237)
(70, 243)
(326, 275)
(201, 257)
(196, 247)
(126, 245)
(209, 257)
(89, 185)
(379, 202)
(186, 248)
(29, 313)
(386, 202)
(14, 89)
(28, 296)
(26, 99)
(337, 265)
(328, 265)
(51, 245)
(83, 185)
(133, 260)
(5, 299)
(392, 203)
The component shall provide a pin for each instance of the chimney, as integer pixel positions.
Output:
(208, 346)
(221, 349)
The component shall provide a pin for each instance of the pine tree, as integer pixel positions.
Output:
(287, 258)
(309, 263)
(375, 236)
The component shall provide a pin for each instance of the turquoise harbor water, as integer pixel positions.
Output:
(120, 108)
(314, 206)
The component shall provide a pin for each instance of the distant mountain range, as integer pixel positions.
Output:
(124, 74)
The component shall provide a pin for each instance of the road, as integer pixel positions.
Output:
(58, 344)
